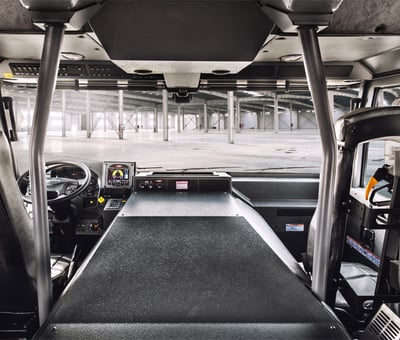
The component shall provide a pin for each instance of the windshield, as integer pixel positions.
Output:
(95, 123)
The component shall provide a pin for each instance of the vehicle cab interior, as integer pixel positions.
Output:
(95, 246)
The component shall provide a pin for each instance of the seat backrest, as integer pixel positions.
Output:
(17, 260)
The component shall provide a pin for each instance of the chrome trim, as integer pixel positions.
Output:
(46, 84)
(317, 84)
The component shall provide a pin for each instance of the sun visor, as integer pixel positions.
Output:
(161, 36)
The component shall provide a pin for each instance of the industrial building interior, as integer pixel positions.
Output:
(187, 169)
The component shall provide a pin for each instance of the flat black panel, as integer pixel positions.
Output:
(295, 212)
(255, 331)
(181, 30)
(186, 269)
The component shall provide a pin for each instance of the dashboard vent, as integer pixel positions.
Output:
(385, 325)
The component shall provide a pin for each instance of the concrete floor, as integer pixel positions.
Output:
(288, 151)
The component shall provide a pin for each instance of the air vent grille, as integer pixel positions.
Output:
(85, 69)
(385, 324)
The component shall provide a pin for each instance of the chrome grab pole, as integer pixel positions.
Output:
(319, 93)
(46, 85)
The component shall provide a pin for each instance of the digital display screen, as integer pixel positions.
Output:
(118, 175)
(182, 185)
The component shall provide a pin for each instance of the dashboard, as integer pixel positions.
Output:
(110, 185)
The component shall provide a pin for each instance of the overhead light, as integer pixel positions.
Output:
(122, 83)
(220, 72)
(72, 56)
(142, 71)
(241, 84)
(253, 93)
(290, 58)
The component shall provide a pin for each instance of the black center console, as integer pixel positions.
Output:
(117, 182)
(183, 182)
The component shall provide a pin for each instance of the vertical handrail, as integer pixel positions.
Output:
(319, 93)
(46, 85)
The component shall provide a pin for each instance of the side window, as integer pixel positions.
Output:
(388, 97)
(375, 159)
(380, 152)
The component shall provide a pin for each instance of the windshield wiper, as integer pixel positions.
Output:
(284, 168)
(148, 168)
(205, 168)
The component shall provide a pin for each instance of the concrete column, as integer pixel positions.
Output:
(88, 116)
(219, 120)
(276, 114)
(64, 114)
(183, 118)
(79, 123)
(238, 117)
(136, 120)
(231, 110)
(29, 115)
(264, 123)
(291, 116)
(165, 114)
(205, 116)
(179, 118)
(155, 119)
(121, 126)
(16, 114)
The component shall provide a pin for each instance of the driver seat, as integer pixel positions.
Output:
(18, 302)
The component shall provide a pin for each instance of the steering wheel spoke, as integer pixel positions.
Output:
(59, 188)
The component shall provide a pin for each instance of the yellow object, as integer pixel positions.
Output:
(371, 183)
(117, 173)
(8, 75)
(101, 200)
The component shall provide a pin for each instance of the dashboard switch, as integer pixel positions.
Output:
(95, 226)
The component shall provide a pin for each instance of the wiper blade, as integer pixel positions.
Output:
(285, 168)
(148, 168)
(204, 168)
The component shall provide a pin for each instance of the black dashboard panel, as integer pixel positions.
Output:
(183, 182)
(287, 202)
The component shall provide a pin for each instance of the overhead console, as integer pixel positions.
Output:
(183, 182)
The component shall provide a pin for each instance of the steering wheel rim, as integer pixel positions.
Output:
(24, 181)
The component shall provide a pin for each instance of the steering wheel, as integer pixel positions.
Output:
(58, 189)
